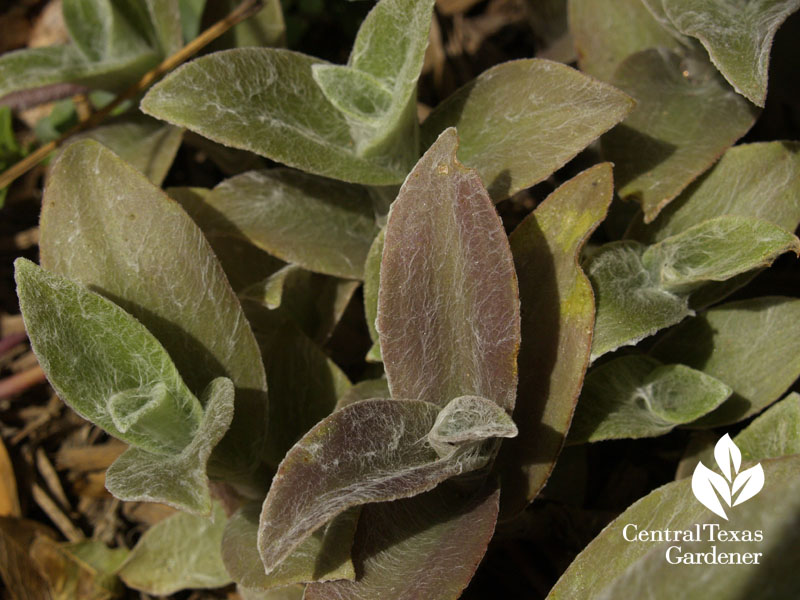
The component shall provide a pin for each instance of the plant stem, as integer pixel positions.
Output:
(243, 11)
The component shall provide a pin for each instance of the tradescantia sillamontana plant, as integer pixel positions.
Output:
(189, 322)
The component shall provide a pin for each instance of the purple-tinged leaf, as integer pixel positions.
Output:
(557, 328)
(428, 546)
(448, 307)
(371, 451)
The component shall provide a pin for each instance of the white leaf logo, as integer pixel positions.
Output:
(709, 487)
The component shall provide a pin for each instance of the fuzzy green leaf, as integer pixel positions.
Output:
(100, 561)
(716, 250)
(448, 307)
(105, 225)
(113, 44)
(102, 29)
(520, 121)
(750, 345)
(612, 567)
(636, 396)
(606, 32)
(376, 91)
(428, 546)
(142, 142)
(180, 552)
(556, 328)
(126, 384)
(322, 225)
(752, 180)
(630, 303)
(370, 451)
(643, 289)
(35, 67)
(291, 121)
(686, 114)
(685, 117)
(179, 480)
(244, 264)
(737, 35)
(165, 17)
(323, 556)
(774, 433)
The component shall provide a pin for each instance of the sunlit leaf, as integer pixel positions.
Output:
(716, 250)
(35, 67)
(291, 122)
(630, 303)
(643, 289)
(124, 383)
(144, 143)
(774, 433)
(737, 35)
(370, 451)
(243, 263)
(113, 44)
(322, 225)
(165, 19)
(180, 479)
(606, 32)
(685, 117)
(448, 308)
(636, 396)
(556, 328)
(520, 121)
(323, 556)
(612, 567)
(751, 180)
(180, 552)
(428, 546)
(106, 226)
(376, 91)
(751, 345)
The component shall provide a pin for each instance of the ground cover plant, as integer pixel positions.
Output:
(394, 336)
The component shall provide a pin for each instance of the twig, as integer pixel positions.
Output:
(57, 516)
(243, 11)
(16, 384)
(25, 99)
